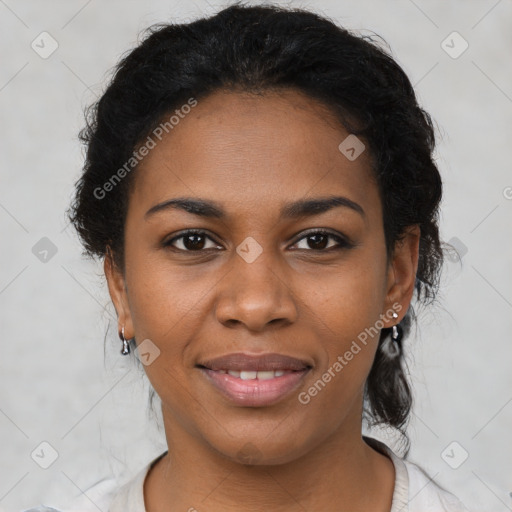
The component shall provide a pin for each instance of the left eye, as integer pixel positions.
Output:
(319, 239)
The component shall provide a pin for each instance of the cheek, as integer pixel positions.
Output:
(350, 298)
(167, 308)
(348, 308)
(164, 299)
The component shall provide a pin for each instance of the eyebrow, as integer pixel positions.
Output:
(294, 210)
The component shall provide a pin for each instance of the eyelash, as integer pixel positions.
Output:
(343, 243)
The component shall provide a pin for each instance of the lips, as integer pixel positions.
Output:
(247, 362)
(254, 380)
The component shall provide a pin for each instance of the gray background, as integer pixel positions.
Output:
(59, 386)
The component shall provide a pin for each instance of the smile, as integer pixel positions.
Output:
(251, 375)
(255, 381)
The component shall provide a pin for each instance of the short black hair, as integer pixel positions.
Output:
(264, 48)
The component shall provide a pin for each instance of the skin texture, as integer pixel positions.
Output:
(252, 154)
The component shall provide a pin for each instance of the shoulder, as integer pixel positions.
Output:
(415, 490)
(425, 494)
(97, 497)
(42, 508)
(108, 495)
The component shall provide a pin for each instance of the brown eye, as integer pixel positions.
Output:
(318, 241)
(191, 241)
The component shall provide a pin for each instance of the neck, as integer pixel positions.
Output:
(342, 473)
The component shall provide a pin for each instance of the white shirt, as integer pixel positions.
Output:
(414, 491)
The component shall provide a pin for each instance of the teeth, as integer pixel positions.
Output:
(266, 375)
(248, 375)
(251, 374)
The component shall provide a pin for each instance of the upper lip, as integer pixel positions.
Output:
(261, 362)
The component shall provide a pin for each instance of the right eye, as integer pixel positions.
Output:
(192, 240)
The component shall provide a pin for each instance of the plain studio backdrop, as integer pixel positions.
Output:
(82, 412)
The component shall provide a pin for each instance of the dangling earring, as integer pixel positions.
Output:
(397, 331)
(126, 347)
(397, 334)
(391, 344)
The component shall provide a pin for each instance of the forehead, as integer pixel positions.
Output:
(247, 150)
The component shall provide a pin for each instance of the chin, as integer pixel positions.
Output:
(261, 446)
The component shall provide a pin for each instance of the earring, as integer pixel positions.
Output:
(397, 333)
(126, 347)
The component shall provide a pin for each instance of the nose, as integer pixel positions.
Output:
(256, 295)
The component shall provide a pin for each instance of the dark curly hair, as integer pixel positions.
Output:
(262, 48)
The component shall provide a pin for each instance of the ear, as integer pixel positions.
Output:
(402, 272)
(118, 294)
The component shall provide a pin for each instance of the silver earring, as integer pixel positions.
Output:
(126, 347)
(397, 333)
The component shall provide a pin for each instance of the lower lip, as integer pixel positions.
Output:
(254, 392)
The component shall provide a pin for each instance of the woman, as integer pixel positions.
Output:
(261, 188)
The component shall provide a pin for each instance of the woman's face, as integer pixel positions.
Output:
(258, 292)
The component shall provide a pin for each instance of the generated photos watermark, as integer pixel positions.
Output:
(144, 150)
(343, 360)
